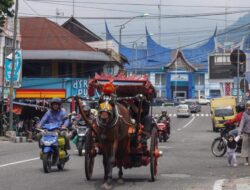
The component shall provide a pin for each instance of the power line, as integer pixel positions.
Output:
(152, 15)
(140, 4)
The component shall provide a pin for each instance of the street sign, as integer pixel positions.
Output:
(234, 92)
(17, 70)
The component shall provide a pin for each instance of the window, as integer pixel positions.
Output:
(222, 60)
(160, 79)
(157, 79)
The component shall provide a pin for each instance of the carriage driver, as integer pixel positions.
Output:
(145, 119)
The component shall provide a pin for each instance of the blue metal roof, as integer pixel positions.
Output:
(155, 56)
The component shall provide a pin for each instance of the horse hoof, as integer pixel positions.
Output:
(106, 186)
(120, 181)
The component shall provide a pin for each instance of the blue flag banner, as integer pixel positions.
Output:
(17, 70)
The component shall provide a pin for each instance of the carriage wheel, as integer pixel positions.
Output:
(89, 157)
(153, 157)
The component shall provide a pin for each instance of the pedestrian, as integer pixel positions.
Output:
(231, 150)
(244, 129)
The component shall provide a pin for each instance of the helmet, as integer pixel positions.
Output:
(240, 107)
(164, 112)
(86, 108)
(56, 100)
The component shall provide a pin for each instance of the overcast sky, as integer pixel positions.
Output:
(174, 31)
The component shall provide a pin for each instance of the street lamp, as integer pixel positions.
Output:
(122, 26)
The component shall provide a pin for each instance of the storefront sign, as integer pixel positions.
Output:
(80, 87)
(40, 93)
(179, 77)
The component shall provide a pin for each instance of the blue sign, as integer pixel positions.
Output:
(17, 69)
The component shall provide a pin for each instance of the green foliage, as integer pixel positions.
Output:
(6, 10)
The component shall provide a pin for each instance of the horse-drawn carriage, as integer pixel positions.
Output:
(118, 134)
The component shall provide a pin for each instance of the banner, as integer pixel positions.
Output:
(17, 69)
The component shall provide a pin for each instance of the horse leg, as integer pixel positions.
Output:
(120, 174)
(109, 160)
(105, 167)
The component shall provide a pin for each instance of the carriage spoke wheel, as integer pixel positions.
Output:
(89, 157)
(153, 149)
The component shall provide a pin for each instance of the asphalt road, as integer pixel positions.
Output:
(187, 163)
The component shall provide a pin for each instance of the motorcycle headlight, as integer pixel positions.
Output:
(48, 142)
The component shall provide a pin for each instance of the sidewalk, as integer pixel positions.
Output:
(237, 184)
(3, 138)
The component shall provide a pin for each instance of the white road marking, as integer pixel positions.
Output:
(170, 115)
(188, 123)
(193, 115)
(202, 115)
(197, 115)
(206, 115)
(174, 115)
(178, 129)
(18, 162)
(164, 147)
(218, 184)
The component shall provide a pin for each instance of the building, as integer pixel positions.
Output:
(90, 38)
(174, 72)
(55, 61)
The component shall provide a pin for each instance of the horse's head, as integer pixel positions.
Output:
(105, 113)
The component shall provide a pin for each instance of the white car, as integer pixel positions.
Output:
(203, 101)
(183, 110)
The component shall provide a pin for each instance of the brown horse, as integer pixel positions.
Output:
(112, 130)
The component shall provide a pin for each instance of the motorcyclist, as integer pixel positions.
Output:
(90, 116)
(164, 118)
(56, 114)
(240, 108)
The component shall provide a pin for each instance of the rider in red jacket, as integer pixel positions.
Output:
(240, 108)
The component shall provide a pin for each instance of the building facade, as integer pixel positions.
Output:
(174, 72)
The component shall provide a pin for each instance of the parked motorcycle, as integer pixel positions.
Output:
(52, 146)
(219, 145)
(80, 138)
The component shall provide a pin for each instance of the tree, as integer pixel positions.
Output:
(6, 10)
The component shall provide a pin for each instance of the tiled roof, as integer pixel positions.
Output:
(78, 29)
(39, 33)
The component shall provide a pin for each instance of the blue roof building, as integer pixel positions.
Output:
(179, 72)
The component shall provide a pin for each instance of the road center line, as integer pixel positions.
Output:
(188, 123)
(19, 162)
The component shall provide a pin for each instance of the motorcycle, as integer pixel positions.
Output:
(163, 129)
(80, 138)
(219, 145)
(52, 146)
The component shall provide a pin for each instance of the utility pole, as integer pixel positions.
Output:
(13, 66)
(159, 26)
(73, 8)
(238, 73)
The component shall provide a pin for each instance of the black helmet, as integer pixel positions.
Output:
(164, 111)
(56, 100)
(240, 107)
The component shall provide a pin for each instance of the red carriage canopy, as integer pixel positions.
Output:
(125, 85)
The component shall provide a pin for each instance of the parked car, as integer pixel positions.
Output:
(193, 106)
(183, 110)
(159, 101)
